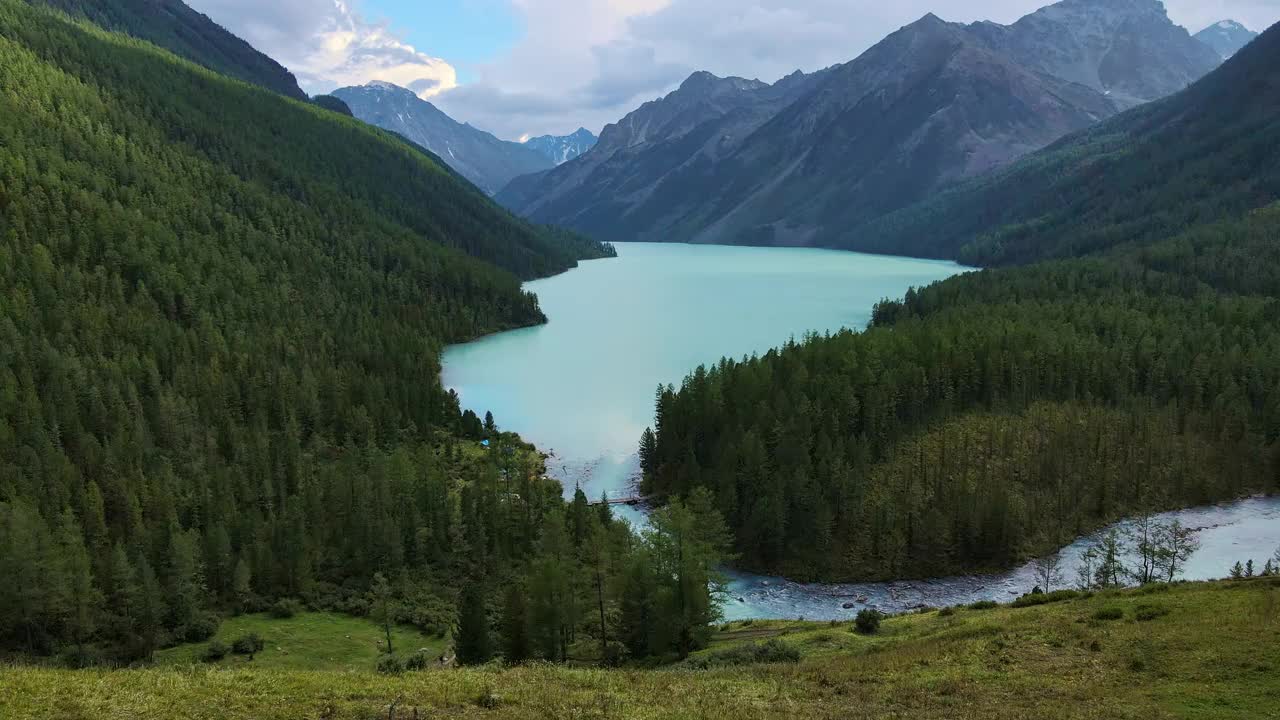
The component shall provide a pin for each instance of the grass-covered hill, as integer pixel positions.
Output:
(1207, 153)
(220, 318)
(1199, 651)
(1002, 413)
(172, 25)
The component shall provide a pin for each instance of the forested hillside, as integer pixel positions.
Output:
(220, 318)
(1003, 413)
(173, 25)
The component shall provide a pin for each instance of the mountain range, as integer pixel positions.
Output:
(560, 149)
(1226, 37)
(478, 156)
(1206, 153)
(809, 158)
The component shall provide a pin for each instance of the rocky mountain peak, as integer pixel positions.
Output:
(1226, 37)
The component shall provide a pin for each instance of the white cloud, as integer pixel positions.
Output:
(589, 62)
(328, 44)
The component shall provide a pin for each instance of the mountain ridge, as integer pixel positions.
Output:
(485, 160)
(1226, 37)
(560, 149)
(730, 160)
(188, 33)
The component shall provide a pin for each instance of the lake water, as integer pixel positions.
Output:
(581, 388)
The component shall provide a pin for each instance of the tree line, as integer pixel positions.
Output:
(221, 313)
(994, 416)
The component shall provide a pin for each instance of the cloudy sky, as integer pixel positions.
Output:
(517, 67)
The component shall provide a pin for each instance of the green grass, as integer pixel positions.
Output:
(308, 641)
(1214, 654)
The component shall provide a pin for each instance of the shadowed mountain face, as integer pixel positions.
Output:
(1126, 49)
(174, 26)
(802, 161)
(653, 161)
(560, 149)
(1226, 37)
(478, 156)
(1206, 153)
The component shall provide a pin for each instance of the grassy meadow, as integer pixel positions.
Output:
(1204, 650)
(307, 641)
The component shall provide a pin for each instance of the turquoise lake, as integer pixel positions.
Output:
(581, 387)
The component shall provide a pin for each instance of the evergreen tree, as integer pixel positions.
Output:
(81, 596)
(474, 645)
(516, 644)
(382, 608)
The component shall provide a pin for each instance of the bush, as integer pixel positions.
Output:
(79, 658)
(984, 605)
(249, 644)
(285, 609)
(214, 652)
(1146, 613)
(1109, 613)
(201, 628)
(615, 654)
(420, 660)
(770, 651)
(946, 612)
(390, 665)
(1045, 598)
(868, 621)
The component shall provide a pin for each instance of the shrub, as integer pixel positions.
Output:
(1109, 613)
(249, 644)
(390, 665)
(984, 605)
(946, 612)
(770, 651)
(420, 660)
(1045, 598)
(615, 654)
(214, 652)
(201, 628)
(1145, 613)
(79, 658)
(285, 609)
(868, 621)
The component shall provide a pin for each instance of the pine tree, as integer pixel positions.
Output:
(515, 626)
(241, 584)
(637, 608)
(382, 609)
(473, 645)
(82, 597)
(648, 452)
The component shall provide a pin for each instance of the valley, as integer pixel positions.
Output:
(941, 381)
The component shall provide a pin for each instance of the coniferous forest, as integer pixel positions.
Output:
(222, 310)
(219, 357)
(1003, 413)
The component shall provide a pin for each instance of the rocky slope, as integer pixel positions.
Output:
(1127, 49)
(560, 149)
(801, 161)
(478, 156)
(1226, 37)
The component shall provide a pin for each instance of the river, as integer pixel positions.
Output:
(581, 387)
